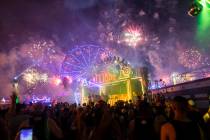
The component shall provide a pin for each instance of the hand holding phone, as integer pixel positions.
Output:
(26, 134)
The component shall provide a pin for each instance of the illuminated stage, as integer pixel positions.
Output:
(84, 76)
(127, 86)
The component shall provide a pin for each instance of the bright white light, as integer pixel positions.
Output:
(133, 36)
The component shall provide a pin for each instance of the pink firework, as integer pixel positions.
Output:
(191, 58)
(133, 36)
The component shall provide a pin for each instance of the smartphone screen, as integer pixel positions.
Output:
(26, 134)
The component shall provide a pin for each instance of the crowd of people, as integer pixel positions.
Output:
(177, 119)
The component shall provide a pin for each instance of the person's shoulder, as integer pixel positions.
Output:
(167, 126)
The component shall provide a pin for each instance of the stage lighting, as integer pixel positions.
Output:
(208, 3)
(195, 9)
(15, 80)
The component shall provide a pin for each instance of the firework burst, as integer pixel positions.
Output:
(42, 52)
(133, 36)
(121, 27)
(191, 58)
(111, 25)
(32, 77)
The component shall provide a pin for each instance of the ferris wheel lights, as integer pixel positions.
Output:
(69, 78)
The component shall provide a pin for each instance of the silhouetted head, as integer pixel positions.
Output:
(180, 104)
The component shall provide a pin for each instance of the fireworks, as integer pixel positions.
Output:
(191, 58)
(42, 52)
(133, 36)
(111, 25)
(32, 77)
(120, 27)
(178, 78)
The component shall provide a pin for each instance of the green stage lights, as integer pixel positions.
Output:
(203, 23)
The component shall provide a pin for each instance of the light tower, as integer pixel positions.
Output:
(15, 88)
(15, 84)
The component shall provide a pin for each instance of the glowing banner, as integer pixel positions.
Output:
(104, 77)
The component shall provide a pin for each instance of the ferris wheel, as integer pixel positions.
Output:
(85, 61)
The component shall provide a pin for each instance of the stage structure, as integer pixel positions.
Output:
(126, 86)
(99, 72)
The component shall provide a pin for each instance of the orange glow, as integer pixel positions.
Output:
(56, 81)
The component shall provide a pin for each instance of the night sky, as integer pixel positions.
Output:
(57, 19)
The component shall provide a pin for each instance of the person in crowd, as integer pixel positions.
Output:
(181, 127)
(195, 115)
(141, 128)
(105, 127)
(44, 128)
(206, 118)
(17, 119)
(159, 120)
(4, 135)
(125, 120)
(193, 112)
